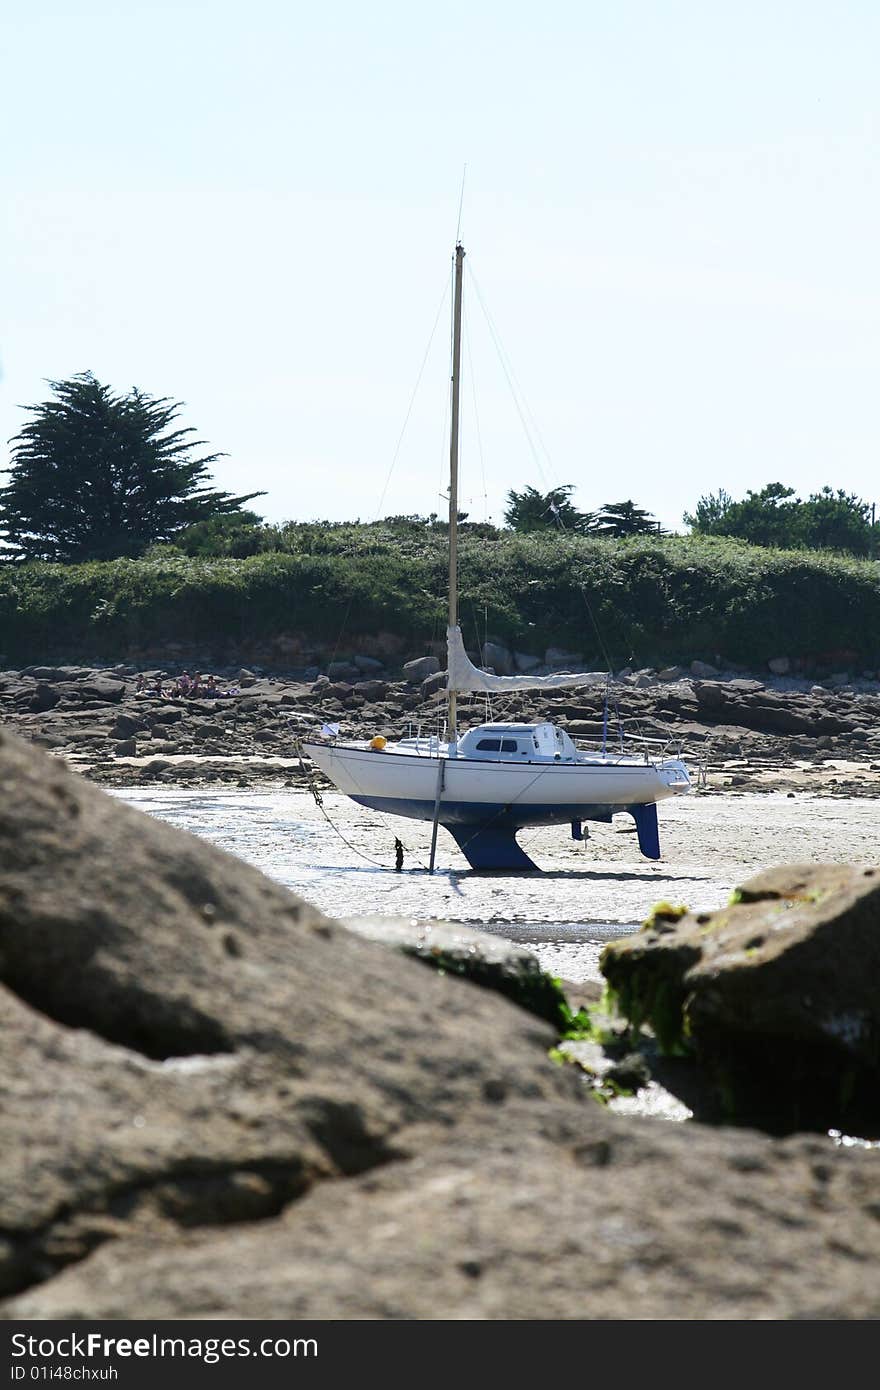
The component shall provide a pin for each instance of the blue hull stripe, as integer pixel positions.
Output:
(481, 812)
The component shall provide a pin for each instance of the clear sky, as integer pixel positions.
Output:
(671, 211)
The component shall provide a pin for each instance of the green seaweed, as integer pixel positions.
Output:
(664, 912)
(577, 1024)
(534, 990)
(659, 1004)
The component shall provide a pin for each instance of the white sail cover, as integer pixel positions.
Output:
(462, 675)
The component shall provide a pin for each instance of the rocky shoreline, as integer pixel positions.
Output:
(738, 732)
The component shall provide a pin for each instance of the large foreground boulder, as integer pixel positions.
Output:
(647, 1221)
(218, 1103)
(776, 995)
(173, 1017)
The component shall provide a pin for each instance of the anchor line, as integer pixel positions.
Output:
(319, 802)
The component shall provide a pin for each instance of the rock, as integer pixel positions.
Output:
(643, 679)
(161, 947)
(165, 714)
(125, 748)
(712, 694)
(491, 961)
(209, 729)
(372, 689)
(343, 671)
(550, 1224)
(246, 677)
(584, 728)
(499, 658)
(750, 705)
(95, 689)
(776, 992)
(254, 704)
(58, 673)
(219, 1104)
(48, 741)
(525, 663)
(368, 665)
(44, 697)
(671, 673)
(630, 1073)
(740, 686)
(102, 690)
(431, 684)
(125, 725)
(779, 665)
(415, 671)
(703, 669)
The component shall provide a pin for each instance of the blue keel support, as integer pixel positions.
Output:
(492, 847)
(645, 818)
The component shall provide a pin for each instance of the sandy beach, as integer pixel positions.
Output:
(341, 858)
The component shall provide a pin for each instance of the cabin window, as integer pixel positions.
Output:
(509, 745)
(489, 745)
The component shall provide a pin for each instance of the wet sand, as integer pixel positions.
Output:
(586, 893)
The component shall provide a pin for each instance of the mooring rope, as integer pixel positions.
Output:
(319, 802)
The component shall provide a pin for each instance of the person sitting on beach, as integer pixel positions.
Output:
(195, 686)
(139, 684)
(210, 685)
(157, 687)
(184, 683)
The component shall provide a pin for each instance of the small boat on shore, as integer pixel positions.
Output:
(485, 784)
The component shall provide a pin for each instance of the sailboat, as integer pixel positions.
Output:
(488, 782)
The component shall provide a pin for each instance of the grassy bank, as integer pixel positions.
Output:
(647, 601)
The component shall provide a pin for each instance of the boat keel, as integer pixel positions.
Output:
(491, 847)
(645, 818)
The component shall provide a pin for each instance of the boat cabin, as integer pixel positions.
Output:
(535, 743)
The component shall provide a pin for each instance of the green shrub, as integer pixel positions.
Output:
(647, 600)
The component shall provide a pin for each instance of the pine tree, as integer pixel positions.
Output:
(96, 475)
(532, 510)
(626, 519)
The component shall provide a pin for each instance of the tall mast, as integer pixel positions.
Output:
(451, 732)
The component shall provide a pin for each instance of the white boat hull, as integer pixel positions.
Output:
(484, 802)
